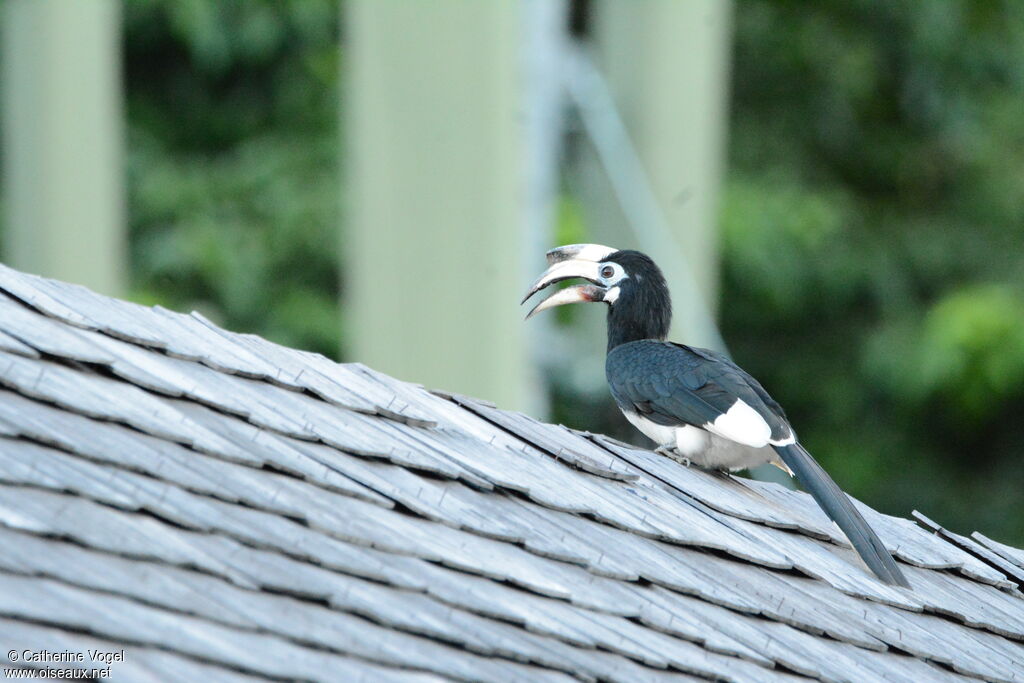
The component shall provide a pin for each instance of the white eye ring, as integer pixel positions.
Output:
(611, 273)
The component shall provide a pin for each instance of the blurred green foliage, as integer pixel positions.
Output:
(233, 156)
(873, 227)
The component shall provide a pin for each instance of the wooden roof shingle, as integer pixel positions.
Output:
(224, 508)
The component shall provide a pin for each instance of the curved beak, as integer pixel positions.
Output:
(569, 295)
(568, 262)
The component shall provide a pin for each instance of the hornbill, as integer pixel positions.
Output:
(696, 404)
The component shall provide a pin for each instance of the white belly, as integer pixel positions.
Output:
(703, 448)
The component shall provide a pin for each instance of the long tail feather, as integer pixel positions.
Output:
(841, 510)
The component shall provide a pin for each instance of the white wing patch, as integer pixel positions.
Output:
(741, 424)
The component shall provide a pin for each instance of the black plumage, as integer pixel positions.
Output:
(671, 384)
(697, 404)
(646, 312)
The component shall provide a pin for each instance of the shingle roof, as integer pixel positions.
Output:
(223, 508)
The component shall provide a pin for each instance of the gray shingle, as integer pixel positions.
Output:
(225, 508)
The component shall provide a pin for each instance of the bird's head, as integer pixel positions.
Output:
(630, 283)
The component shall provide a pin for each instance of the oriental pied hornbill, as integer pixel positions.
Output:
(697, 405)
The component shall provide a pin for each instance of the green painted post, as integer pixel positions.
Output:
(667, 65)
(434, 214)
(62, 134)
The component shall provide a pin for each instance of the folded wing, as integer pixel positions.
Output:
(675, 385)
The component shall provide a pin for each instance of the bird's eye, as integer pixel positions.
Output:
(607, 272)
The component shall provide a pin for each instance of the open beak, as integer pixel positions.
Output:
(569, 295)
(568, 262)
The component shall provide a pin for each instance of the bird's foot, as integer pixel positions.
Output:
(672, 454)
